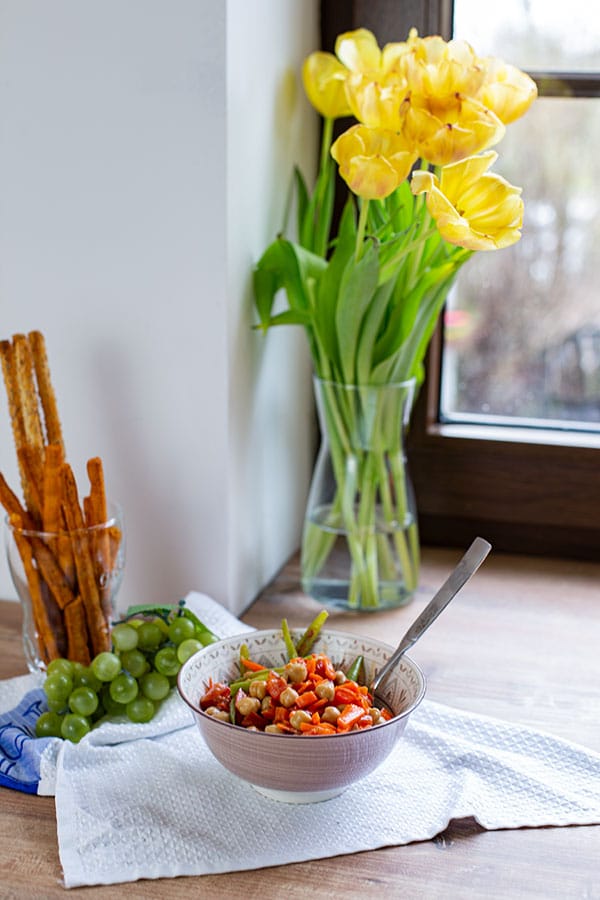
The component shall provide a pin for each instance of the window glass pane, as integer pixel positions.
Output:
(523, 324)
(533, 34)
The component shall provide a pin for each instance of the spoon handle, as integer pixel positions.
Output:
(467, 567)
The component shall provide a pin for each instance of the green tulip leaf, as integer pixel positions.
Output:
(357, 287)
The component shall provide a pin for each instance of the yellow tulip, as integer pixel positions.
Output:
(445, 131)
(359, 51)
(324, 80)
(372, 162)
(507, 91)
(376, 103)
(437, 69)
(472, 208)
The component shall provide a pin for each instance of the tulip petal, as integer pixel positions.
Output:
(376, 103)
(324, 80)
(359, 51)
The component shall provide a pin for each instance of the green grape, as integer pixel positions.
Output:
(134, 662)
(160, 623)
(166, 661)
(124, 688)
(48, 725)
(106, 666)
(61, 665)
(74, 727)
(83, 701)
(181, 629)
(206, 638)
(58, 686)
(149, 636)
(141, 709)
(187, 649)
(78, 668)
(84, 677)
(124, 637)
(57, 706)
(154, 685)
(112, 707)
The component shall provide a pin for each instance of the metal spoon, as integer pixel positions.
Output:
(467, 567)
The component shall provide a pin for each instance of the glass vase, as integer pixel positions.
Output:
(67, 582)
(360, 544)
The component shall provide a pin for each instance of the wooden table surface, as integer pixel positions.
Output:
(520, 642)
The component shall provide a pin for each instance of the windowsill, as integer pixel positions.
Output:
(511, 434)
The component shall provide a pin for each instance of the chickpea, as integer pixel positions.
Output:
(375, 715)
(288, 697)
(258, 689)
(246, 705)
(217, 713)
(298, 717)
(330, 714)
(325, 690)
(340, 677)
(266, 703)
(295, 671)
(272, 729)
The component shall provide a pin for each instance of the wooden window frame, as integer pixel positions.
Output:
(534, 491)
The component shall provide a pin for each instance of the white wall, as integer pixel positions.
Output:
(145, 148)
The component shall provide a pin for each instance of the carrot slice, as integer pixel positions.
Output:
(349, 717)
(306, 699)
(253, 666)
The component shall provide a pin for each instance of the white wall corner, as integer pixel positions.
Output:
(270, 128)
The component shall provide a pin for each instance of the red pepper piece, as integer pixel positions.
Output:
(276, 685)
(255, 719)
(216, 694)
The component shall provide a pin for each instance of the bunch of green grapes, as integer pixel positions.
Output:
(132, 679)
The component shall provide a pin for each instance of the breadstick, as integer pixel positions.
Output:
(26, 392)
(77, 638)
(52, 573)
(47, 564)
(8, 372)
(98, 625)
(46, 641)
(45, 389)
(14, 408)
(51, 507)
(12, 505)
(31, 465)
(52, 514)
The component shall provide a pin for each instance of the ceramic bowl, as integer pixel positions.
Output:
(301, 768)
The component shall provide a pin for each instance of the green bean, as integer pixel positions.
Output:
(354, 671)
(312, 633)
(287, 637)
(244, 683)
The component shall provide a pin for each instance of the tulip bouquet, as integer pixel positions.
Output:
(422, 199)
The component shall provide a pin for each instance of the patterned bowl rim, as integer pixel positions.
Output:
(305, 737)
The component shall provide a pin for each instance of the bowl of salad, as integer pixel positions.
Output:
(290, 712)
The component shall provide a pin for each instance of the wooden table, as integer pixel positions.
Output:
(520, 642)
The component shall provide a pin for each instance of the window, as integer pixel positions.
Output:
(479, 462)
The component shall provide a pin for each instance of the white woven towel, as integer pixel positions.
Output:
(160, 805)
